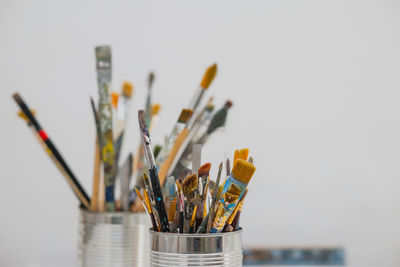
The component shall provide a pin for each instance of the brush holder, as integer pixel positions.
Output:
(169, 249)
(113, 239)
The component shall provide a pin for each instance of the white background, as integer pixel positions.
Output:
(315, 86)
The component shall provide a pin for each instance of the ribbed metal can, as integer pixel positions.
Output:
(168, 249)
(113, 239)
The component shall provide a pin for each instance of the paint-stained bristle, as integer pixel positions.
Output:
(204, 170)
(142, 118)
(155, 109)
(189, 185)
(114, 99)
(243, 171)
(210, 107)
(244, 153)
(251, 160)
(24, 117)
(185, 115)
(209, 76)
(228, 104)
(150, 80)
(142, 182)
(156, 150)
(127, 89)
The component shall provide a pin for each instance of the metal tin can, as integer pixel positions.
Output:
(113, 239)
(220, 249)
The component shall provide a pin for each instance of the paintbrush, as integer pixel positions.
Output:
(235, 223)
(171, 214)
(150, 82)
(190, 192)
(214, 199)
(205, 83)
(103, 66)
(54, 154)
(192, 221)
(125, 174)
(218, 120)
(181, 207)
(122, 108)
(208, 77)
(251, 160)
(148, 209)
(170, 140)
(121, 114)
(203, 173)
(155, 182)
(94, 203)
(233, 189)
(229, 224)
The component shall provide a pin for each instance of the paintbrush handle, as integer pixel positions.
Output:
(96, 178)
(159, 199)
(174, 151)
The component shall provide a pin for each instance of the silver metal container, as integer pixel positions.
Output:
(223, 249)
(113, 239)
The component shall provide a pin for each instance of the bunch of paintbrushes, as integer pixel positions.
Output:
(197, 204)
(187, 195)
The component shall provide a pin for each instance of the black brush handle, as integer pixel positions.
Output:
(159, 199)
(181, 222)
(25, 109)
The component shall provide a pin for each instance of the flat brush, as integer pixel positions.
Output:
(155, 182)
(103, 67)
(233, 189)
(53, 153)
(214, 199)
(208, 77)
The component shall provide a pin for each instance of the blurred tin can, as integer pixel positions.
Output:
(113, 239)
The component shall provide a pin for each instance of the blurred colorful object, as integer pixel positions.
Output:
(320, 256)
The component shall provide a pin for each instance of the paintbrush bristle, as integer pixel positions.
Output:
(114, 99)
(17, 98)
(228, 104)
(155, 109)
(244, 153)
(236, 156)
(209, 76)
(24, 117)
(150, 80)
(127, 89)
(190, 184)
(142, 119)
(243, 171)
(204, 170)
(185, 115)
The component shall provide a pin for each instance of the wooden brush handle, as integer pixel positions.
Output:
(96, 178)
(172, 154)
